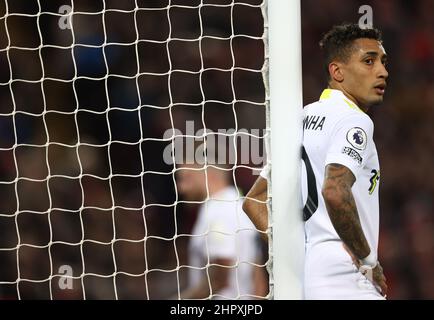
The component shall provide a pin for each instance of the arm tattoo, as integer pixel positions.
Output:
(342, 209)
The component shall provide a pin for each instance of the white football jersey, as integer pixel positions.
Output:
(335, 130)
(223, 230)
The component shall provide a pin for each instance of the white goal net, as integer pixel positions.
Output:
(93, 97)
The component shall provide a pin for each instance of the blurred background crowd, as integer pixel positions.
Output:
(84, 113)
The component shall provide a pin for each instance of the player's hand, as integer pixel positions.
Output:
(375, 275)
(379, 279)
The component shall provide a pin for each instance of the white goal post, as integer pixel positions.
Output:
(285, 99)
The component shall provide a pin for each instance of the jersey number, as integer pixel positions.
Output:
(311, 204)
(374, 179)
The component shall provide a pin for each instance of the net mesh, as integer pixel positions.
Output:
(93, 95)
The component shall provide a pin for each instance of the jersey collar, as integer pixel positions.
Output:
(337, 94)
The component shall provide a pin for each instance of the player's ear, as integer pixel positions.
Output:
(335, 71)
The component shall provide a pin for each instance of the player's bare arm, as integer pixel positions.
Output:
(342, 209)
(255, 205)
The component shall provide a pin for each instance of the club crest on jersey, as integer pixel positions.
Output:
(357, 138)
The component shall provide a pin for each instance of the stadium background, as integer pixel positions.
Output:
(403, 134)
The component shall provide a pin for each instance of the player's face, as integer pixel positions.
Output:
(191, 182)
(365, 73)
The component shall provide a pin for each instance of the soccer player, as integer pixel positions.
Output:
(341, 171)
(222, 247)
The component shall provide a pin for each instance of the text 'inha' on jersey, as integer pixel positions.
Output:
(336, 131)
(313, 122)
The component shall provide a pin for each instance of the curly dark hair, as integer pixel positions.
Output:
(337, 44)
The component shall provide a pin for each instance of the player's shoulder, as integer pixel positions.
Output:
(312, 106)
(332, 104)
(344, 110)
(355, 118)
(337, 111)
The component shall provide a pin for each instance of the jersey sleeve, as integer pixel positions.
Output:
(351, 142)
